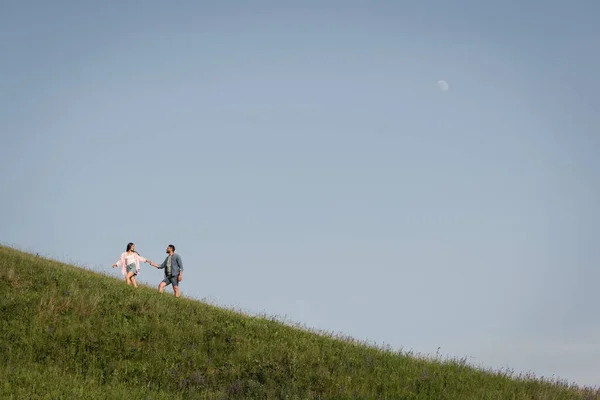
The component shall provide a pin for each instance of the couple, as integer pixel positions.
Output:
(130, 267)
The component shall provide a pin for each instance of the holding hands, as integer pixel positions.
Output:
(148, 261)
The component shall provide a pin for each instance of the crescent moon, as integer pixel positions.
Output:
(443, 85)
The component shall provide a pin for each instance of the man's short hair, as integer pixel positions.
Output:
(171, 246)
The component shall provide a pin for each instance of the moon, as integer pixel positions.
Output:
(443, 85)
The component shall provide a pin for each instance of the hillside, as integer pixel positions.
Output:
(68, 332)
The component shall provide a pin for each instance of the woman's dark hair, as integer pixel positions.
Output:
(129, 246)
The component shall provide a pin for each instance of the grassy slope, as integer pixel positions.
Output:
(71, 333)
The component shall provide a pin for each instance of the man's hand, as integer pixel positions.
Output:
(179, 278)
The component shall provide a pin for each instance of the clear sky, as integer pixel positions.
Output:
(305, 163)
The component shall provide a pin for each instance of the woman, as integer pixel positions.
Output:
(130, 264)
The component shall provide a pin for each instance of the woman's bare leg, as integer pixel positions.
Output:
(128, 278)
(133, 281)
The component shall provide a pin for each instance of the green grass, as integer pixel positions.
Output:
(67, 332)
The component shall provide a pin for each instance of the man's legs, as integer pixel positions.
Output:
(161, 286)
(169, 281)
(175, 283)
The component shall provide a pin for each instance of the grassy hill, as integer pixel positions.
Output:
(66, 332)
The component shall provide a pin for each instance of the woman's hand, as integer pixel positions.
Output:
(114, 265)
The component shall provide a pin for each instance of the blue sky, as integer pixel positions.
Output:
(304, 162)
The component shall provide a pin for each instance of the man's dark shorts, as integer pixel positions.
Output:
(171, 280)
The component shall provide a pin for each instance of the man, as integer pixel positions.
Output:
(173, 270)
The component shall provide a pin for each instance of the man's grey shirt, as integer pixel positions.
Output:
(176, 264)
